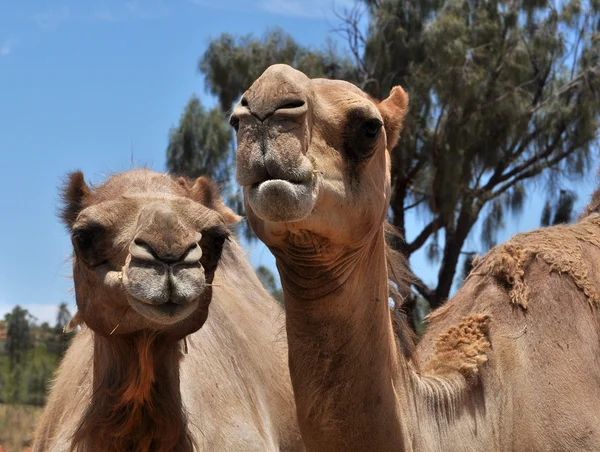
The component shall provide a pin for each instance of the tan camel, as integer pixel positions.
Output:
(142, 375)
(314, 163)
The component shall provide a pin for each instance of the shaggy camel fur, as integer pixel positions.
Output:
(141, 376)
(313, 158)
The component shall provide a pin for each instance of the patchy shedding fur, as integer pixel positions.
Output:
(561, 247)
(462, 348)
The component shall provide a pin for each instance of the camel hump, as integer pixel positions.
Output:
(564, 248)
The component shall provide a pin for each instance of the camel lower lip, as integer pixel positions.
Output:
(268, 182)
(168, 308)
(279, 200)
(166, 313)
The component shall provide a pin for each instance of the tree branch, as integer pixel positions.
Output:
(530, 173)
(581, 33)
(355, 39)
(422, 288)
(494, 181)
(414, 204)
(420, 240)
(415, 169)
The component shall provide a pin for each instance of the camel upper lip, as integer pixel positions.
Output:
(257, 170)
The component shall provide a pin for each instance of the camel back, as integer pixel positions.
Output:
(561, 247)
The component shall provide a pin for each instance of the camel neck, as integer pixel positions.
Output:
(342, 351)
(136, 401)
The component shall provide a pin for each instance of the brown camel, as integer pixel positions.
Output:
(149, 254)
(313, 158)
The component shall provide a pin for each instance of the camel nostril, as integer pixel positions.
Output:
(298, 103)
(291, 108)
(144, 251)
(192, 255)
(244, 102)
(141, 250)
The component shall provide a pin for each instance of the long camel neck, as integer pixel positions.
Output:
(343, 355)
(136, 401)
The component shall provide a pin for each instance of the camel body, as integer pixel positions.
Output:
(511, 363)
(233, 376)
(540, 388)
(151, 369)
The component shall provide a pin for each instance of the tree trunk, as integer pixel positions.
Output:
(398, 220)
(452, 247)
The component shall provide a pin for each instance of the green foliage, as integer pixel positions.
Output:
(562, 209)
(63, 317)
(18, 334)
(201, 144)
(491, 223)
(231, 63)
(502, 94)
(24, 380)
(62, 320)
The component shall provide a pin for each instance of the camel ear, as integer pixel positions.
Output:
(393, 110)
(206, 193)
(75, 321)
(74, 195)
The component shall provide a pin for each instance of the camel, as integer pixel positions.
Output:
(511, 363)
(150, 369)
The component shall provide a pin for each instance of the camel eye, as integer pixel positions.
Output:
(360, 135)
(87, 242)
(212, 243)
(85, 237)
(371, 128)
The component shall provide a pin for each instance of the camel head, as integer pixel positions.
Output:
(146, 248)
(313, 155)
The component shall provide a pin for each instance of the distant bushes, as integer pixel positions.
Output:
(27, 381)
(29, 354)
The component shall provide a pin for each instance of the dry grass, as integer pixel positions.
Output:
(16, 427)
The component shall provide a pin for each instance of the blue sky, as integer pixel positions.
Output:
(96, 85)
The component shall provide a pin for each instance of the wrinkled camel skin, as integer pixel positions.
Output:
(491, 374)
(188, 380)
